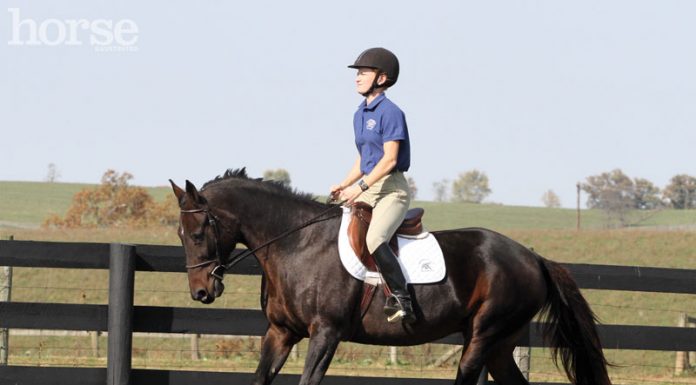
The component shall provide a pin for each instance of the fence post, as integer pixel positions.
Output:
(682, 360)
(94, 337)
(393, 358)
(521, 355)
(195, 347)
(5, 296)
(120, 340)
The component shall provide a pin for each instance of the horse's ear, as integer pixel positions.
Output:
(193, 193)
(178, 192)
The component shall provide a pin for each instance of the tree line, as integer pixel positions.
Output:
(615, 189)
(626, 200)
(115, 202)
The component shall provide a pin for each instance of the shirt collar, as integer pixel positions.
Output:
(374, 103)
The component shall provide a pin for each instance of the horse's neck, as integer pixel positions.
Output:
(262, 222)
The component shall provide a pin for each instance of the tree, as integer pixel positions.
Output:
(115, 203)
(645, 195)
(472, 186)
(441, 189)
(412, 187)
(681, 192)
(617, 194)
(611, 192)
(280, 175)
(52, 174)
(550, 199)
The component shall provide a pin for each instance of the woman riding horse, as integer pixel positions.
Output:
(492, 289)
(384, 154)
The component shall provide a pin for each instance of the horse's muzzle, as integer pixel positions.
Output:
(207, 297)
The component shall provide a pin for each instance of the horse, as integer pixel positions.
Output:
(493, 286)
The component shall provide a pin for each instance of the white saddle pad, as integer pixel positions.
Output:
(420, 257)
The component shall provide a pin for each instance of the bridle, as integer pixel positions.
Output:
(220, 268)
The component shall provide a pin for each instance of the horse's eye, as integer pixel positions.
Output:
(197, 237)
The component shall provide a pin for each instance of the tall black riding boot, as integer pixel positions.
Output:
(398, 306)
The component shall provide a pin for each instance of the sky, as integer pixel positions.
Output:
(538, 95)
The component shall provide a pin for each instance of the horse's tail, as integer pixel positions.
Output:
(570, 328)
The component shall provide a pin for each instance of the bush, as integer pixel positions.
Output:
(115, 203)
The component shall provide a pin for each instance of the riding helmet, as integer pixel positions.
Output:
(380, 59)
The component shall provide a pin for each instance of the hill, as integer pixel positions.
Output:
(27, 204)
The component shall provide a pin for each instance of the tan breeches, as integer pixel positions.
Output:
(389, 198)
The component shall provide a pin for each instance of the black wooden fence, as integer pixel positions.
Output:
(120, 318)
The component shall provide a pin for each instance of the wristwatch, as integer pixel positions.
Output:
(363, 185)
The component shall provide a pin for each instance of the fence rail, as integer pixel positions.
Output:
(252, 322)
(154, 319)
(170, 259)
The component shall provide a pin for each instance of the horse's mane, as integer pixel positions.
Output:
(232, 175)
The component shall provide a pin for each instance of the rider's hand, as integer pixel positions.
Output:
(336, 188)
(350, 194)
(335, 191)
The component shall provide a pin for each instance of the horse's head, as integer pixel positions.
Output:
(206, 245)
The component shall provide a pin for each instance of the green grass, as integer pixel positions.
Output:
(440, 216)
(28, 204)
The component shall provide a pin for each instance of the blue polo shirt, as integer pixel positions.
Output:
(382, 121)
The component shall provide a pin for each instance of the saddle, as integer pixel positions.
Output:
(360, 222)
(361, 216)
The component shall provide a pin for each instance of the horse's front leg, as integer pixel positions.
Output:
(275, 348)
(322, 346)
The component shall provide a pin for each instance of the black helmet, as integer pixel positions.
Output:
(380, 59)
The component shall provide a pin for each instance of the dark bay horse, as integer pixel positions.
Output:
(493, 287)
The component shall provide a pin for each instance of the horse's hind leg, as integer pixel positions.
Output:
(502, 366)
(487, 337)
(471, 363)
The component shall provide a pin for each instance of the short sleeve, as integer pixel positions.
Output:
(393, 125)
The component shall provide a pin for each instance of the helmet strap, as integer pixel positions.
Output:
(373, 87)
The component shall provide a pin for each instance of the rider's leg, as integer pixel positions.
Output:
(387, 215)
(398, 307)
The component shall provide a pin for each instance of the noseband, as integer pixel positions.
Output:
(220, 268)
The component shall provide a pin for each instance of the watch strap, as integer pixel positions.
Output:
(363, 185)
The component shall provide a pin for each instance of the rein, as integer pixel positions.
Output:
(220, 269)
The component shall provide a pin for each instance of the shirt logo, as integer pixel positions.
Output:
(371, 123)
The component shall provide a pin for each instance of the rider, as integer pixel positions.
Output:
(384, 154)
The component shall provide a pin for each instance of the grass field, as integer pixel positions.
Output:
(666, 239)
(27, 204)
